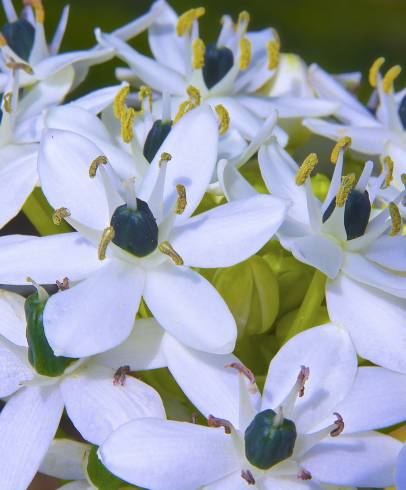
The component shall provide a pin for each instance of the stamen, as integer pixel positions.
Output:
(3, 40)
(185, 21)
(347, 184)
(302, 378)
(396, 219)
(38, 9)
(296, 391)
(107, 237)
(243, 21)
(64, 285)
(119, 101)
(304, 475)
(13, 65)
(306, 168)
(243, 370)
(120, 375)
(165, 158)
(7, 99)
(130, 196)
(278, 420)
(273, 48)
(145, 92)
(198, 50)
(188, 105)
(215, 422)
(339, 426)
(248, 477)
(181, 201)
(389, 170)
(42, 294)
(390, 77)
(100, 160)
(194, 95)
(167, 249)
(245, 53)
(127, 121)
(224, 118)
(341, 144)
(59, 215)
(374, 70)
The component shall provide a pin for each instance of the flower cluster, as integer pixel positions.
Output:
(198, 310)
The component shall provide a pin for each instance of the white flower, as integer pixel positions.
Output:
(96, 399)
(348, 242)
(328, 397)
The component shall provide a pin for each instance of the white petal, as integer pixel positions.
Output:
(401, 470)
(97, 407)
(389, 252)
(377, 399)
(193, 145)
(328, 382)
(59, 31)
(230, 233)
(233, 184)
(96, 314)
(374, 319)
(190, 309)
(28, 424)
(230, 482)
(63, 165)
(288, 483)
(12, 318)
(76, 485)
(26, 256)
(166, 455)
(14, 368)
(365, 460)
(64, 460)
(18, 176)
(97, 100)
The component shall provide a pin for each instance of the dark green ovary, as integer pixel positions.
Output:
(20, 37)
(156, 136)
(135, 230)
(217, 63)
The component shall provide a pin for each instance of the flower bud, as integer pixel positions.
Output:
(251, 291)
(320, 185)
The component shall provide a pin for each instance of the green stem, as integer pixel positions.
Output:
(39, 212)
(310, 306)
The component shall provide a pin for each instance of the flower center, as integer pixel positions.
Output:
(402, 111)
(156, 136)
(217, 63)
(20, 37)
(135, 230)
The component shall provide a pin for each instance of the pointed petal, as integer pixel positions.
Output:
(233, 184)
(328, 382)
(14, 368)
(167, 455)
(60, 31)
(374, 319)
(96, 314)
(64, 460)
(12, 318)
(230, 233)
(388, 251)
(97, 100)
(190, 309)
(28, 424)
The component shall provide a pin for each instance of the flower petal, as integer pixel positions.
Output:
(28, 256)
(14, 368)
(230, 233)
(190, 309)
(97, 407)
(365, 460)
(166, 455)
(96, 314)
(64, 460)
(401, 470)
(388, 251)
(233, 184)
(12, 318)
(328, 382)
(28, 424)
(374, 319)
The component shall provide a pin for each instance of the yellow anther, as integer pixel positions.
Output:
(198, 50)
(119, 101)
(59, 215)
(389, 170)
(38, 9)
(145, 92)
(243, 20)
(341, 144)
(403, 179)
(3, 40)
(127, 121)
(7, 102)
(100, 160)
(390, 77)
(188, 105)
(347, 184)
(107, 237)
(374, 70)
(165, 157)
(167, 249)
(245, 53)
(181, 201)
(396, 219)
(306, 168)
(224, 118)
(13, 65)
(185, 21)
(273, 48)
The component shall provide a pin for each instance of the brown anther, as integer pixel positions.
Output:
(167, 249)
(181, 201)
(100, 160)
(339, 426)
(215, 422)
(64, 285)
(304, 475)
(59, 215)
(14, 65)
(243, 370)
(248, 477)
(302, 378)
(120, 375)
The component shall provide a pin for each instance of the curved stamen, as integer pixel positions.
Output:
(389, 170)
(107, 237)
(216, 422)
(374, 70)
(245, 53)
(347, 184)
(306, 168)
(100, 160)
(395, 218)
(224, 118)
(167, 249)
(341, 144)
(185, 21)
(145, 92)
(198, 52)
(390, 77)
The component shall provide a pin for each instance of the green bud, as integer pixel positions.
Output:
(40, 354)
(269, 439)
(100, 476)
(284, 323)
(251, 291)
